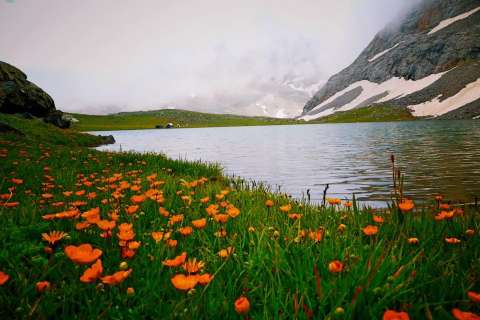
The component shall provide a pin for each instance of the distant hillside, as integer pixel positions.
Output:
(179, 118)
(428, 62)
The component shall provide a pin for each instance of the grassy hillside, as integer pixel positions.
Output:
(375, 113)
(165, 239)
(180, 118)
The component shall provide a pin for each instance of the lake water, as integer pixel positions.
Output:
(437, 157)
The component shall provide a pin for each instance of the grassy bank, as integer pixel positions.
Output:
(152, 220)
(375, 113)
(180, 118)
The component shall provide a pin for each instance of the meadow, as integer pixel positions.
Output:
(88, 234)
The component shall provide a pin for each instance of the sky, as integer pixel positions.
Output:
(101, 56)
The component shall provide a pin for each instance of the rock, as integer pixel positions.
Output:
(108, 139)
(5, 128)
(158, 126)
(169, 125)
(18, 95)
(58, 118)
(409, 49)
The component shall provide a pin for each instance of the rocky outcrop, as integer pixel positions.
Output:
(18, 95)
(398, 67)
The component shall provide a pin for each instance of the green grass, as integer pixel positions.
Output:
(180, 118)
(283, 273)
(375, 113)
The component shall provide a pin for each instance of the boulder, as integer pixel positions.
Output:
(18, 95)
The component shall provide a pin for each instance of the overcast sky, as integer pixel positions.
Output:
(96, 56)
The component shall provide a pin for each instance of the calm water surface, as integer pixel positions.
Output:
(438, 157)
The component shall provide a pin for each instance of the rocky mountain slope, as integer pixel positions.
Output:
(429, 61)
(18, 95)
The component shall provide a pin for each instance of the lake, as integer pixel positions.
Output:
(437, 157)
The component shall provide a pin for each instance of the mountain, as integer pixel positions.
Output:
(428, 62)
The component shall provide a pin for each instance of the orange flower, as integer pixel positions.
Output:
(406, 205)
(82, 225)
(163, 212)
(106, 225)
(395, 315)
(193, 266)
(348, 204)
(157, 236)
(444, 206)
(452, 240)
(53, 237)
(475, 297)
(212, 210)
(335, 266)
(413, 240)
(294, 216)
(221, 218)
(42, 286)
(117, 277)
(175, 219)
(222, 233)
(242, 305)
(134, 245)
(378, 219)
(137, 199)
(132, 209)
(445, 215)
(92, 215)
(341, 227)
(317, 235)
(199, 223)
(370, 230)
(225, 253)
(286, 208)
(175, 262)
(17, 181)
(183, 282)
(92, 273)
(204, 279)
(334, 201)
(172, 243)
(269, 203)
(185, 231)
(233, 211)
(470, 232)
(47, 195)
(463, 315)
(83, 254)
(3, 278)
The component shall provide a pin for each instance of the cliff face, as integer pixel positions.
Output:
(429, 62)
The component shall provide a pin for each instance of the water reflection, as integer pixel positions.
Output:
(438, 157)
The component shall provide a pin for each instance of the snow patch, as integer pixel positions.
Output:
(395, 88)
(445, 23)
(435, 107)
(378, 55)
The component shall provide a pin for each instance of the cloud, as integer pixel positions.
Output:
(104, 56)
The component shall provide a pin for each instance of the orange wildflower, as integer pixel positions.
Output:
(83, 254)
(82, 225)
(452, 240)
(204, 279)
(3, 278)
(395, 315)
(185, 231)
(413, 240)
(183, 282)
(137, 199)
(42, 286)
(225, 253)
(193, 266)
(177, 218)
(286, 208)
(341, 228)
(117, 277)
(204, 200)
(92, 273)
(172, 243)
(17, 181)
(157, 236)
(269, 203)
(106, 225)
(295, 216)
(199, 223)
(221, 218)
(406, 205)
(463, 315)
(242, 305)
(233, 211)
(348, 204)
(212, 210)
(175, 262)
(444, 206)
(334, 201)
(92, 215)
(132, 209)
(378, 219)
(475, 297)
(163, 212)
(335, 266)
(53, 237)
(370, 230)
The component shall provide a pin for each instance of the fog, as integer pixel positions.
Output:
(244, 57)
